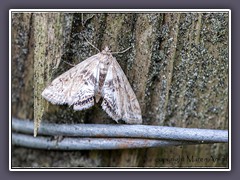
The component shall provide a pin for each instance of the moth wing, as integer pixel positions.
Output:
(119, 100)
(76, 86)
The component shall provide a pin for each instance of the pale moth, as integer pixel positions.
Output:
(97, 76)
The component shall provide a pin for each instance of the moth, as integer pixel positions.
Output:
(99, 76)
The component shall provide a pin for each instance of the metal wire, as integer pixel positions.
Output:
(69, 143)
(86, 136)
(132, 131)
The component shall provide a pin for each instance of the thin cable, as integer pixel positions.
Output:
(72, 143)
(123, 131)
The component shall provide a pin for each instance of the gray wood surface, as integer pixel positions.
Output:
(177, 66)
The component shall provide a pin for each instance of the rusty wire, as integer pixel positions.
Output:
(101, 136)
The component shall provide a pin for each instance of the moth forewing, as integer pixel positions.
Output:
(118, 92)
(72, 85)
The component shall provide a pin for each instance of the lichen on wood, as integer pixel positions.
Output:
(48, 36)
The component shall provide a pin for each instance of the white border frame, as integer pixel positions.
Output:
(117, 11)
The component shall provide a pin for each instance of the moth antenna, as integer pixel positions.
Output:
(122, 51)
(87, 41)
(69, 63)
(91, 44)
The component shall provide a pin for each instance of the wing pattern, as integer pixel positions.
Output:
(119, 100)
(76, 86)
